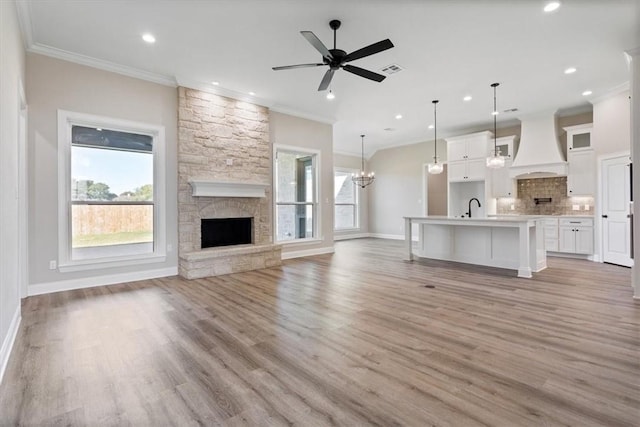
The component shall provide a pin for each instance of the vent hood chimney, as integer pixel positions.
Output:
(539, 154)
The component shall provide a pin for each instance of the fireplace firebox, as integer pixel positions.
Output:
(226, 232)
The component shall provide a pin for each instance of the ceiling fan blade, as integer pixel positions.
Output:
(315, 42)
(326, 80)
(364, 73)
(369, 50)
(289, 67)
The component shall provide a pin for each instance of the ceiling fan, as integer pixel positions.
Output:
(337, 58)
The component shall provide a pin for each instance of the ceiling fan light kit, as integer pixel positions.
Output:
(337, 58)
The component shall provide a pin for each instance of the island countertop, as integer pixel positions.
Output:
(513, 242)
(492, 221)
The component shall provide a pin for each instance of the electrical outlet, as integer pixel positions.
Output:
(586, 207)
(576, 207)
(229, 162)
(53, 265)
(513, 207)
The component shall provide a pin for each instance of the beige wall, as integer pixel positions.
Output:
(398, 190)
(53, 84)
(612, 124)
(355, 162)
(298, 132)
(12, 70)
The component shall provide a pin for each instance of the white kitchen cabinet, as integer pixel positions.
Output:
(551, 234)
(467, 170)
(576, 235)
(466, 156)
(502, 185)
(468, 147)
(579, 137)
(581, 180)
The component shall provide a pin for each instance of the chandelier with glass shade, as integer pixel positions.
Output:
(495, 160)
(435, 167)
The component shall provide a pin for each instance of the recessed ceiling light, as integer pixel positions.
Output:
(398, 116)
(215, 83)
(467, 98)
(430, 126)
(330, 95)
(148, 38)
(550, 6)
(570, 70)
(586, 93)
(252, 93)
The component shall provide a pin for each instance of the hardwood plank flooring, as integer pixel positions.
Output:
(353, 339)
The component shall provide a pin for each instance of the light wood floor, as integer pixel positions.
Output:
(351, 339)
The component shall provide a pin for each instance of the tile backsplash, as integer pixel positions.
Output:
(545, 188)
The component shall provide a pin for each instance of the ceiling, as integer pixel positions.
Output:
(448, 49)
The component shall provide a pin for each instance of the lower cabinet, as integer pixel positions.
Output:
(576, 235)
(551, 234)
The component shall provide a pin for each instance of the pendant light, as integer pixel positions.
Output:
(363, 179)
(435, 167)
(495, 160)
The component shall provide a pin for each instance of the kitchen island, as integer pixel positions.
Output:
(515, 243)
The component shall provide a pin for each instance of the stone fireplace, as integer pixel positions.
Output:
(224, 171)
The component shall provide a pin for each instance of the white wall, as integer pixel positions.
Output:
(298, 132)
(398, 190)
(612, 124)
(355, 162)
(53, 84)
(12, 77)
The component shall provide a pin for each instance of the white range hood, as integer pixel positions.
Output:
(539, 154)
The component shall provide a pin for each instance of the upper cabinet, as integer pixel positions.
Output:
(579, 137)
(581, 180)
(502, 185)
(466, 156)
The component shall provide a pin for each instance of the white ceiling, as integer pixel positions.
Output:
(448, 49)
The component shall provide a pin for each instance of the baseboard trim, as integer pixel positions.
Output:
(90, 282)
(307, 252)
(391, 236)
(351, 236)
(9, 340)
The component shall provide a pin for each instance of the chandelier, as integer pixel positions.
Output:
(495, 160)
(435, 167)
(363, 179)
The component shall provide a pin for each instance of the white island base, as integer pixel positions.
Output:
(513, 243)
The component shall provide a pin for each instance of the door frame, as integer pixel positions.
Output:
(23, 192)
(599, 231)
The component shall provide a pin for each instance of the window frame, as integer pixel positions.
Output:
(317, 220)
(68, 119)
(356, 204)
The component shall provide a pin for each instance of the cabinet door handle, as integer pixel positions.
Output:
(576, 222)
(605, 216)
(570, 191)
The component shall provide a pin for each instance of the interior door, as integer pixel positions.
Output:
(616, 232)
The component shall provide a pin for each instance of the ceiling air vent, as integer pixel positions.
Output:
(391, 69)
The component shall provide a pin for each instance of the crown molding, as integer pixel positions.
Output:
(217, 90)
(23, 10)
(615, 91)
(303, 115)
(101, 64)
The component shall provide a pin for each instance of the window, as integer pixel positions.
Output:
(112, 183)
(296, 185)
(346, 200)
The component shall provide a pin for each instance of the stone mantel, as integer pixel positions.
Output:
(210, 188)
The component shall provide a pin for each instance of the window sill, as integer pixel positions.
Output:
(114, 262)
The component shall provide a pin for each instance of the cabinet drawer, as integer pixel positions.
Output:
(569, 222)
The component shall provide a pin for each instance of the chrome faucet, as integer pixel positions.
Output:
(479, 205)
